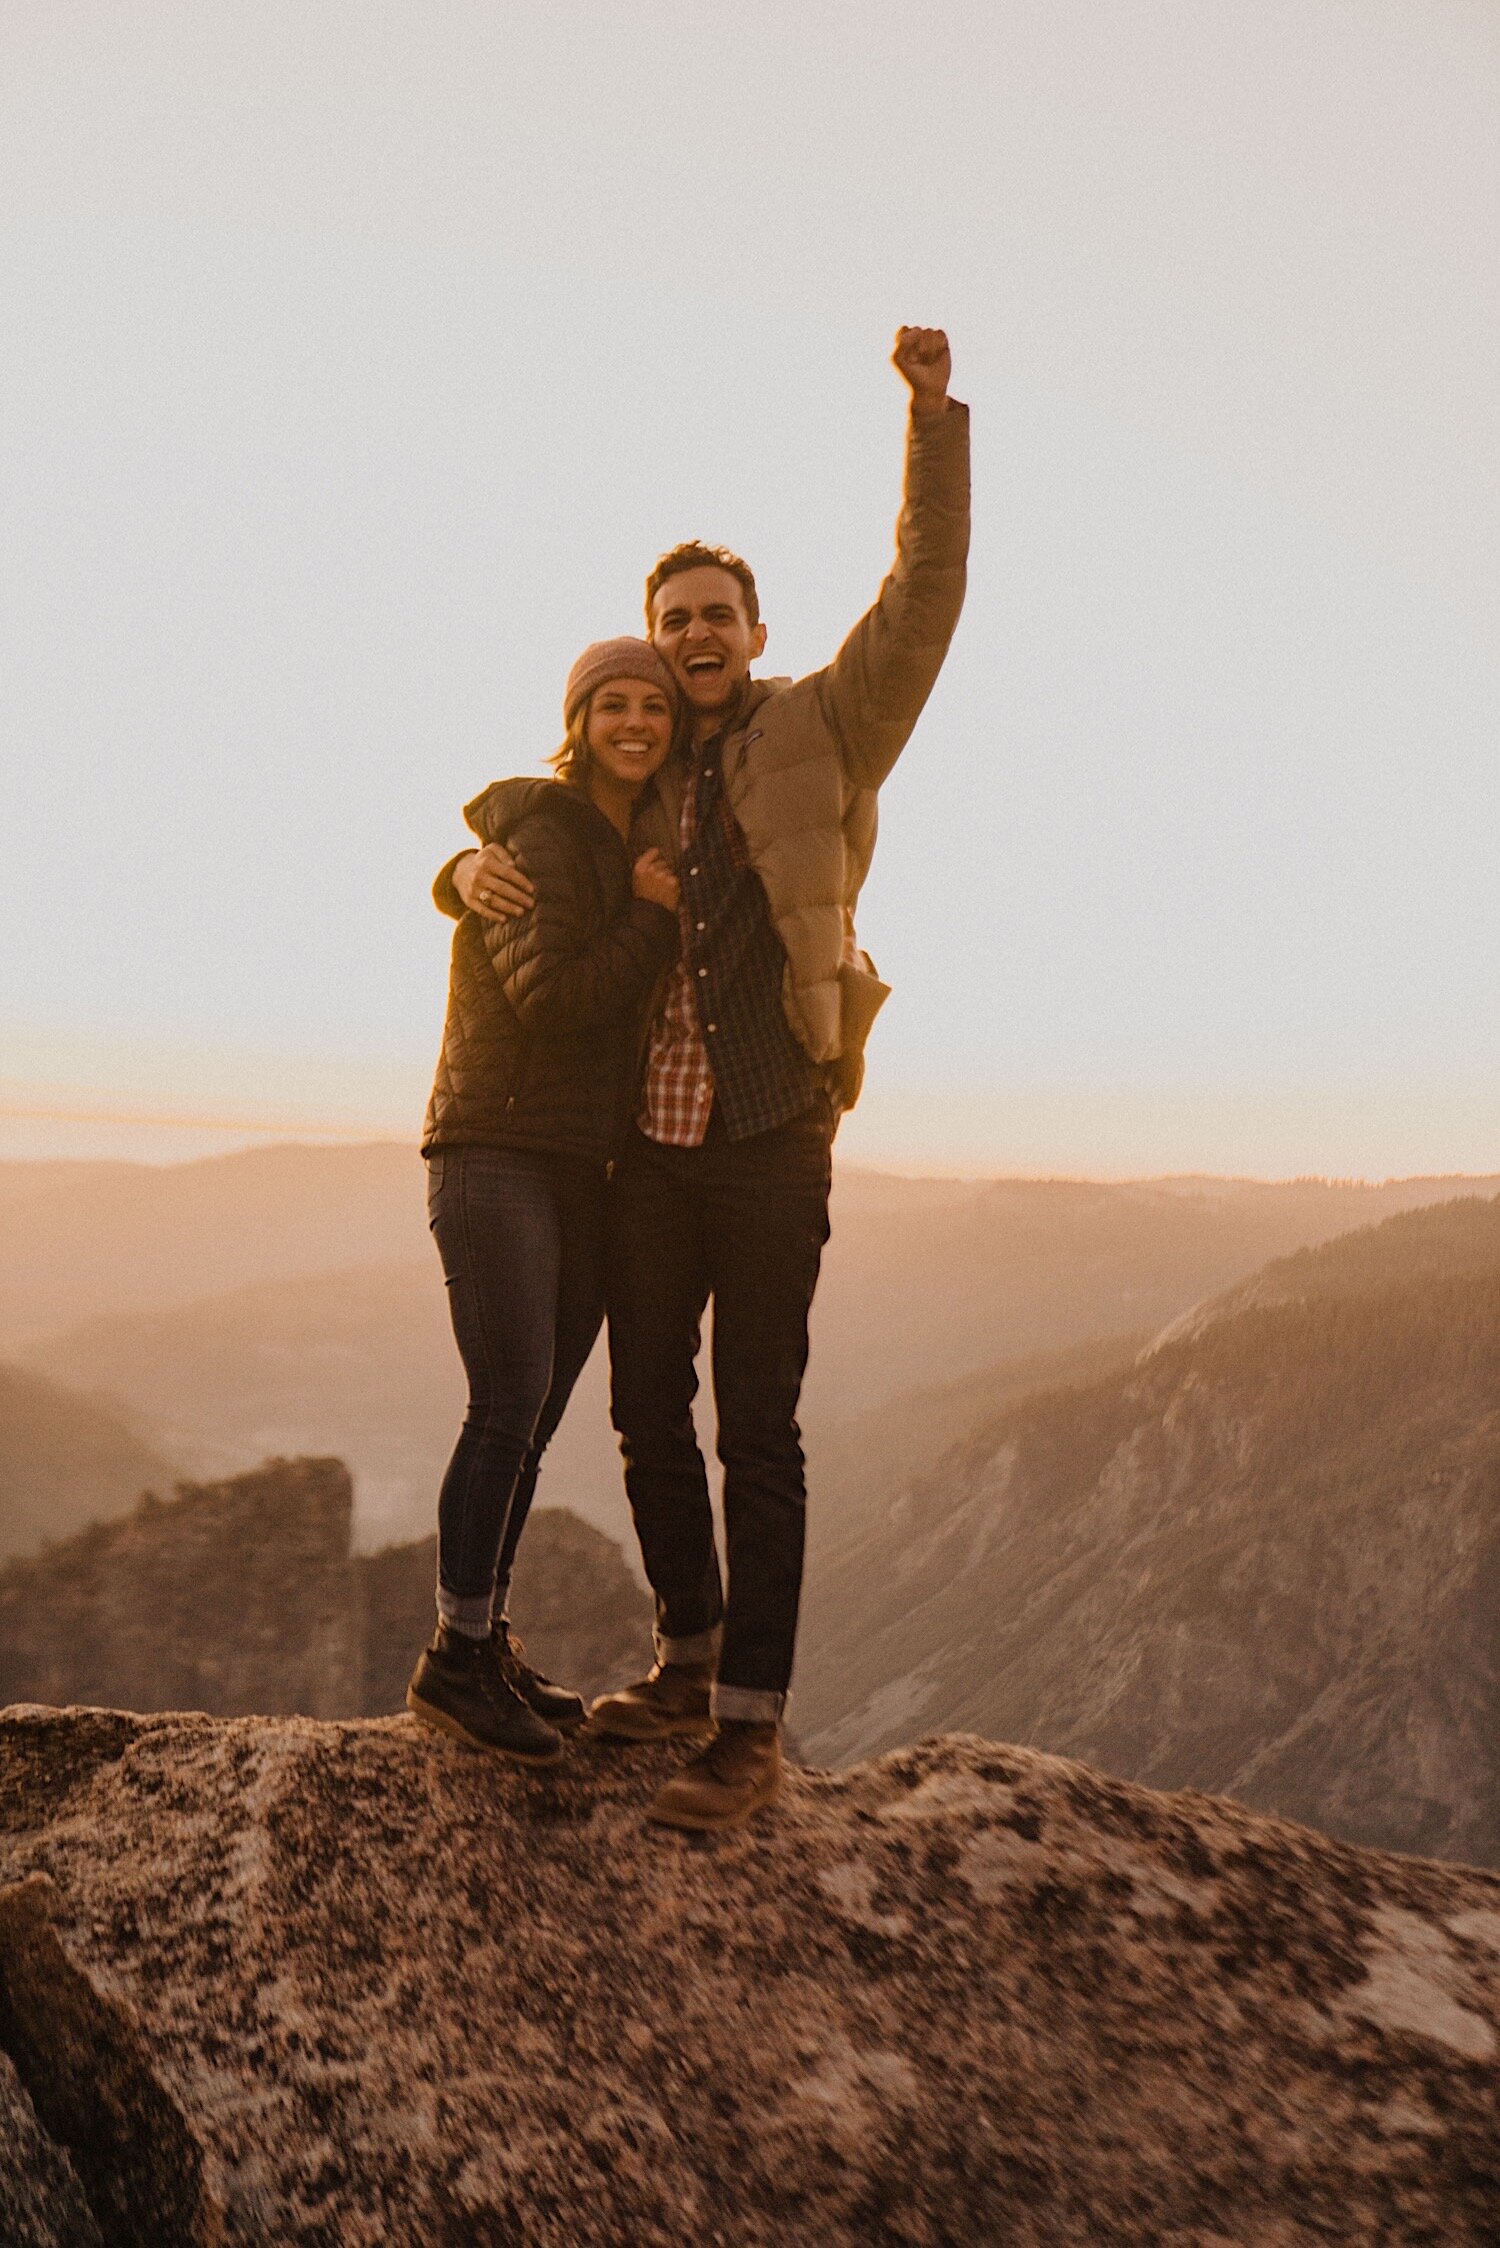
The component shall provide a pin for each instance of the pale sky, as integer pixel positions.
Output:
(357, 360)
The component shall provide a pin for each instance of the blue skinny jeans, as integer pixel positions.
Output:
(521, 1237)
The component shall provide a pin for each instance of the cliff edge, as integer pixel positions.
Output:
(306, 1982)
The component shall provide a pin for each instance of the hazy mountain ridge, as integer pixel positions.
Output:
(22, 1179)
(965, 1994)
(289, 1301)
(141, 1238)
(66, 1460)
(860, 1465)
(926, 1294)
(1265, 1561)
(356, 1363)
(1457, 1237)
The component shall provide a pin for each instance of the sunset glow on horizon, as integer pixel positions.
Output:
(360, 362)
(1136, 1132)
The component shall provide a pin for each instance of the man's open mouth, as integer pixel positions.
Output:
(702, 666)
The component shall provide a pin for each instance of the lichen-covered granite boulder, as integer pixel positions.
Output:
(283, 1981)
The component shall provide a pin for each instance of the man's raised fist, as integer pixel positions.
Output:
(922, 357)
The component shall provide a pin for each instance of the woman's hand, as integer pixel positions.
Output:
(492, 885)
(652, 878)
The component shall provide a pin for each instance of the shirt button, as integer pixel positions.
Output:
(692, 870)
(713, 1026)
(700, 925)
(703, 971)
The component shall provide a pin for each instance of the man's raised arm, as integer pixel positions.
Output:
(873, 691)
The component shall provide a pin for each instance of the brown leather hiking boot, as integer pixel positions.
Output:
(726, 1783)
(671, 1702)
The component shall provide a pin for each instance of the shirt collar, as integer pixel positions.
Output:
(726, 725)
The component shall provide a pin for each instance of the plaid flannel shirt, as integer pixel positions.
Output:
(721, 1031)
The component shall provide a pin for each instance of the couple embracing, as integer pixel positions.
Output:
(656, 1016)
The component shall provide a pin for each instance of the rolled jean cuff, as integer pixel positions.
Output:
(746, 1705)
(699, 1648)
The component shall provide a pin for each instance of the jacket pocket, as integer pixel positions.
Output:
(861, 997)
(512, 1090)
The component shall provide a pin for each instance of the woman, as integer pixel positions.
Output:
(539, 1060)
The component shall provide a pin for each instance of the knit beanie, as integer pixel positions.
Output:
(625, 658)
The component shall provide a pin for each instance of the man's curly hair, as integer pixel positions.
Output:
(694, 555)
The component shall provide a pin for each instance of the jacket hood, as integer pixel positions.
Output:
(498, 810)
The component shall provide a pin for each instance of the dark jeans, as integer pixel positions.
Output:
(744, 1222)
(521, 1237)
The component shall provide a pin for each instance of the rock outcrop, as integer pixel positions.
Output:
(353, 1985)
(244, 1597)
(92, 2085)
(42, 2202)
(230, 1597)
(1265, 1561)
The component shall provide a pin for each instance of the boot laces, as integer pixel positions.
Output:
(510, 1653)
(499, 1676)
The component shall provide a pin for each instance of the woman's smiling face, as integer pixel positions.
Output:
(629, 730)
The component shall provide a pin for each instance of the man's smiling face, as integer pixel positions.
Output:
(700, 624)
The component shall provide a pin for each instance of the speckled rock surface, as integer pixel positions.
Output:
(42, 2203)
(401, 1994)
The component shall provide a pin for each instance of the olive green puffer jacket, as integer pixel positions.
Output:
(546, 1013)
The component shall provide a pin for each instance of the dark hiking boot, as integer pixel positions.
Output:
(458, 1687)
(671, 1703)
(558, 1704)
(738, 1774)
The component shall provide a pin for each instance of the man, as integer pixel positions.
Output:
(756, 1046)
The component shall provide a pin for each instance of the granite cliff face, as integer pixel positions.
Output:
(1265, 1560)
(280, 1981)
(244, 1596)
